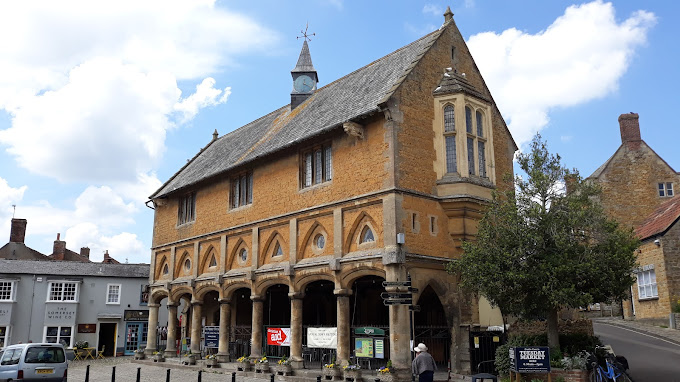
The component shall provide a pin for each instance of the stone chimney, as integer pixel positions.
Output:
(630, 130)
(448, 15)
(58, 249)
(18, 231)
(85, 252)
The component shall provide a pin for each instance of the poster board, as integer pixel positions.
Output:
(363, 347)
(325, 338)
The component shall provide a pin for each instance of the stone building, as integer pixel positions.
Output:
(47, 300)
(657, 288)
(294, 221)
(638, 189)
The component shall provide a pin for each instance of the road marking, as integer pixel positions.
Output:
(638, 332)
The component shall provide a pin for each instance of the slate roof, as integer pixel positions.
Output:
(356, 95)
(660, 220)
(73, 268)
(20, 251)
(304, 63)
(453, 82)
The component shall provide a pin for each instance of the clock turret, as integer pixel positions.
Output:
(304, 78)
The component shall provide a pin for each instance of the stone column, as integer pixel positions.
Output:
(400, 330)
(225, 319)
(296, 300)
(344, 345)
(196, 313)
(171, 347)
(153, 329)
(256, 337)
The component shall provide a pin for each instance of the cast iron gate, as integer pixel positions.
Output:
(483, 347)
(240, 341)
(438, 341)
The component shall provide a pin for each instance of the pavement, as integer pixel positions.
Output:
(668, 334)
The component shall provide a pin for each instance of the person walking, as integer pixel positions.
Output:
(423, 365)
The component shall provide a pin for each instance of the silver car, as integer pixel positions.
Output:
(33, 362)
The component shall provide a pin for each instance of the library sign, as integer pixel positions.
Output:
(530, 359)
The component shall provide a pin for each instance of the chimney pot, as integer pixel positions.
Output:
(58, 249)
(630, 129)
(17, 233)
(85, 252)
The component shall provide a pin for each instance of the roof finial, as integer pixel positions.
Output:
(448, 15)
(305, 35)
(215, 134)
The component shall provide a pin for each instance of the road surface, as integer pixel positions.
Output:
(651, 359)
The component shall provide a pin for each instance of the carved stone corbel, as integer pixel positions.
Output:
(353, 129)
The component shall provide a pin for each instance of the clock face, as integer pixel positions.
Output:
(303, 84)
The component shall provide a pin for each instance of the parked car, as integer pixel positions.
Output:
(33, 362)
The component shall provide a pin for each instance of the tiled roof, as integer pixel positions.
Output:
(660, 220)
(358, 94)
(73, 268)
(19, 251)
(453, 82)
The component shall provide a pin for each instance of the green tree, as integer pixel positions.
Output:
(547, 245)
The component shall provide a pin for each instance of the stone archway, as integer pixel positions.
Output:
(369, 320)
(431, 326)
(319, 309)
(276, 315)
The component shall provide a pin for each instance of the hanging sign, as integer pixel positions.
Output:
(369, 331)
(326, 338)
(278, 336)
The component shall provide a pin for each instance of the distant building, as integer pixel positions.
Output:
(638, 190)
(47, 300)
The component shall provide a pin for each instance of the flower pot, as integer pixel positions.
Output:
(385, 377)
(139, 355)
(331, 373)
(262, 368)
(352, 374)
(189, 360)
(211, 362)
(284, 370)
(243, 366)
(159, 358)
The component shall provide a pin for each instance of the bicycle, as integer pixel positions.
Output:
(614, 372)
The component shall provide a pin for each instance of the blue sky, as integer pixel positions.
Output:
(102, 102)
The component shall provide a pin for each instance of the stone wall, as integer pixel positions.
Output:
(581, 326)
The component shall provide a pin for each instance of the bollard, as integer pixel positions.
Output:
(113, 374)
(87, 373)
(139, 374)
(377, 380)
(167, 376)
(271, 377)
(318, 378)
(199, 375)
(233, 377)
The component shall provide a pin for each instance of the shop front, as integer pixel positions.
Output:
(136, 330)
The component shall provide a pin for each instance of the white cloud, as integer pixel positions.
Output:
(104, 205)
(433, 10)
(91, 87)
(205, 95)
(122, 247)
(469, 3)
(9, 196)
(580, 57)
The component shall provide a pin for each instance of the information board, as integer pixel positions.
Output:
(379, 348)
(530, 359)
(211, 336)
(363, 347)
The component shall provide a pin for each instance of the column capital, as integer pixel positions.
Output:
(224, 301)
(296, 295)
(342, 292)
(256, 298)
(172, 304)
(153, 305)
(196, 302)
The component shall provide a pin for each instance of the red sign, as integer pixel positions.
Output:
(278, 336)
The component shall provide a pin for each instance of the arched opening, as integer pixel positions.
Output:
(276, 316)
(241, 323)
(210, 316)
(319, 310)
(369, 318)
(431, 327)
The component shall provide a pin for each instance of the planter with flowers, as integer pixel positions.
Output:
(243, 364)
(211, 360)
(385, 372)
(331, 371)
(283, 367)
(352, 372)
(262, 365)
(158, 356)
(139, 354)
(189, 358)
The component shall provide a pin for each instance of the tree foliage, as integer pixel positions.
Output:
(547, 245)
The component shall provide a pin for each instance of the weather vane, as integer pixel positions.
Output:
(15, 210)
(305, 35)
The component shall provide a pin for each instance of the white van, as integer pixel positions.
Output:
(33, 362)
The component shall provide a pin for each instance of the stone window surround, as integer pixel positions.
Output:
(459, 102)
(109, 295)
(237, 205)
(326, 169)
(186, 209)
